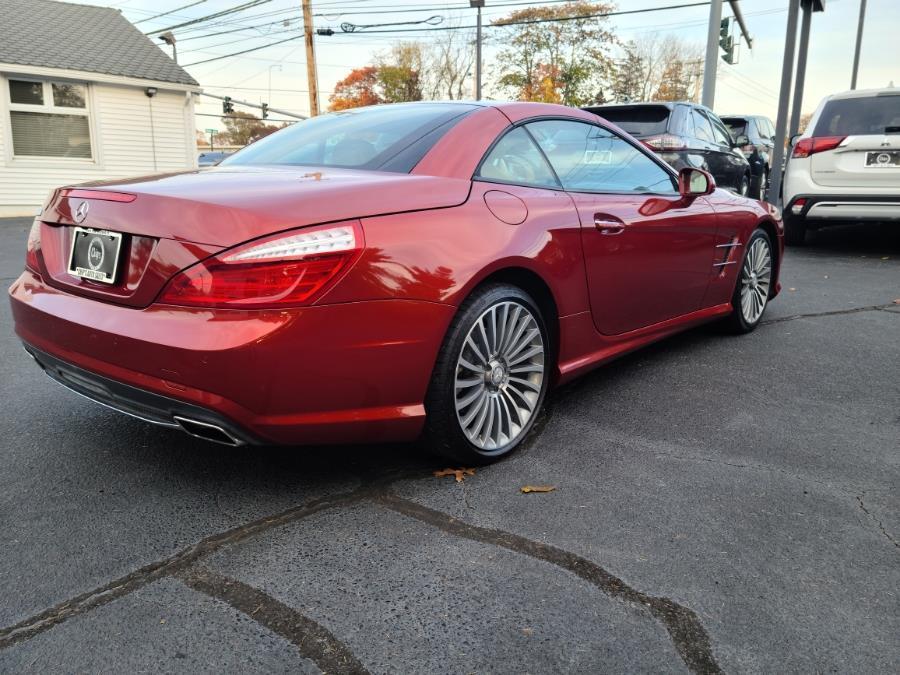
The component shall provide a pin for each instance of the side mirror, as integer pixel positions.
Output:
(741, 141)
(695, 183)
(794, 139)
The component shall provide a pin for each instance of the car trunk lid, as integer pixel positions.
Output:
(169, 222)
(869, 154)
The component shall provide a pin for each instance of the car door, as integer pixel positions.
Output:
(712, 160)
(733, 164)
(647, 251)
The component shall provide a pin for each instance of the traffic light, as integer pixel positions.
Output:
(227, 106)
(265, 111)
(726, 42)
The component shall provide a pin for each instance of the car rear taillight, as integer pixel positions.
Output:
(287, 269)
(797, 206)
(31, 248)
(810, 146)
(665, 142)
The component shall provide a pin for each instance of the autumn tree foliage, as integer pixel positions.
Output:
(359, 88)
(559, 54)
(242, 128)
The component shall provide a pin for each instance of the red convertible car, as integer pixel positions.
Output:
(386, 272)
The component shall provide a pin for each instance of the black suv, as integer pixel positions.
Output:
(760, 132)
(685, 135)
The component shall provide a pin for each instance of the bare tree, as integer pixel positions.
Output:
(659, 67)
(450, 66)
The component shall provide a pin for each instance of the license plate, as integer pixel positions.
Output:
(883, 160)
(95, 254)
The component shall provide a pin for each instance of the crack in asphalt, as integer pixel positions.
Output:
(28, 628)
(687, 633)
(836, 312)
(877, 521)
(314, 641)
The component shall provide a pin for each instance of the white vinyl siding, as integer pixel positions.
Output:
(132, 135)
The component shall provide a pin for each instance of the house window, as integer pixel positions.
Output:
(49, 119)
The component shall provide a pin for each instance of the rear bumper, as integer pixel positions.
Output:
(836, 207)
(324, 374)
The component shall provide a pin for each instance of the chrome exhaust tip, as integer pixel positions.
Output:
(207, 431)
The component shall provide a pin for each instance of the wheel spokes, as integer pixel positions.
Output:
(499, 375)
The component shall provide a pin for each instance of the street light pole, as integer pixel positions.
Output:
(781, 123)
(477, 4)
(797, 105)
(712, 53)
(859, 34)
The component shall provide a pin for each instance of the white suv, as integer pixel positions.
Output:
(846, 165)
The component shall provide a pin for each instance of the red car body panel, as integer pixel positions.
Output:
(356, 364)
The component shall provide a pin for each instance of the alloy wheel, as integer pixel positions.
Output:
(756, 277)
(499, 375)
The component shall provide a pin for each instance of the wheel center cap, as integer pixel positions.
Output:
(497, 376)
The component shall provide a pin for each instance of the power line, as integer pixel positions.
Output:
(245, 51)
(171, 11)
(547, 20)
(224, 12)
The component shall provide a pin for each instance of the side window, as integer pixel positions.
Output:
(516, 159)
(719, 131)
(588, 158)
(702, 127)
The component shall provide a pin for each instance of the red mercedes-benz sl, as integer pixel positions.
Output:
(386, 272)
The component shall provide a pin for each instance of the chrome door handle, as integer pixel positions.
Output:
(608, 226)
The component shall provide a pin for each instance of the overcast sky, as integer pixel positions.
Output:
(750, 87)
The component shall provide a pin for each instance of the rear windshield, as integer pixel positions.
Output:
(646, 120)
(385, 138)
(736, 125)
(863, 116)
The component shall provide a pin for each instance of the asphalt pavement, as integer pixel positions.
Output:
(721, 504)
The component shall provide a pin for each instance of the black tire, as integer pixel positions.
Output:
(794, 230)
(736, 322)
(444, 433)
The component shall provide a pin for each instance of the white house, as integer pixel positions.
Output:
(85, 96)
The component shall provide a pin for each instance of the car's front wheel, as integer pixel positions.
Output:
(754, 284)
(491, 376)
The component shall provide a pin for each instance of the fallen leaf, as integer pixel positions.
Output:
(792, 289)
(162, 620)
(538, 488)
(459, 474)
(528, 632)
(887, 257)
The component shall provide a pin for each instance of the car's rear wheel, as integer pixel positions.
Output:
(491, 376)
(794, 230)
(754, 284)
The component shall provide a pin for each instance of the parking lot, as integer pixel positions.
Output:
(721, 504)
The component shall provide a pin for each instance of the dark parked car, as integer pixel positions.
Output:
(760, 132)
(684, 135)
(211, 158)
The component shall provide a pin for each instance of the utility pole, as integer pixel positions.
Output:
(859, 34)
(311, 77)
(712, 53)
(797, 105)
(781, 123)
(477, 4)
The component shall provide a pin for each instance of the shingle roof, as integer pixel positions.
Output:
(81, 37)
